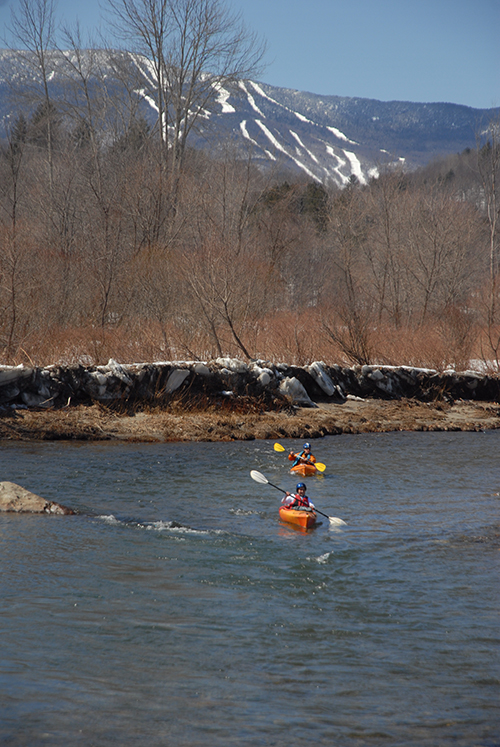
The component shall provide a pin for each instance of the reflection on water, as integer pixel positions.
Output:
(177, 609)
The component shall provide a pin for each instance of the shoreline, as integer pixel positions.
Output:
(354, 416)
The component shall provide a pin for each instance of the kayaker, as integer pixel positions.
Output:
(303, 457)
(299, 499)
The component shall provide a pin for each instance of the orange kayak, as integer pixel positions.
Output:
(304, 469)
(302, 518)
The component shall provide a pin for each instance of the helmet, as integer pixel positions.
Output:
(301, 485)
(307, 446)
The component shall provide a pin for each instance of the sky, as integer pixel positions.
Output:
(406, 50)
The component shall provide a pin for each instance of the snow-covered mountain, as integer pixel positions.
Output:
(325, 138)
(329, 138)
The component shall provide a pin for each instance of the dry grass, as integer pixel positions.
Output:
(186, 402)
(97, 424)
(296, 339)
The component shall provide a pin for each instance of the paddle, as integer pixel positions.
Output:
(319, 465)
(259, 477)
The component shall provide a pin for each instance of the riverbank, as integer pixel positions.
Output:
(95, 423)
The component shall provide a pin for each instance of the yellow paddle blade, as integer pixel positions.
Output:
(279, 447)
(320, 466)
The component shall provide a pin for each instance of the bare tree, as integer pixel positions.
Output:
(33, 25)
(386, 204)
(226, 277)
(227, 293)
(439, 251)
(488, 160)
(12, 159)
(348, 314)
(193, 49)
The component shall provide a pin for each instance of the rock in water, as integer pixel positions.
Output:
(16, 498)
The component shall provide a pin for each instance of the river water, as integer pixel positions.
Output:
(177, 610)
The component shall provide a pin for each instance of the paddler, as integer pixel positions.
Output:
(298, 500)
(303, 457)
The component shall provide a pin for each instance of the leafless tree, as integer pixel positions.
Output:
(226, 293)
(488, 160)
(12, 161)
(349, 313)
(193, 50)
(439, 251)
(385, 203)
(33, 25)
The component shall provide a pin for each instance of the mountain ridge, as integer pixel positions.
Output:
(326, 138)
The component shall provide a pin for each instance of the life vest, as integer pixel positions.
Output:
(295, 458)
(302, 501)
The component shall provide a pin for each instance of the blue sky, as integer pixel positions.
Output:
(407, 50)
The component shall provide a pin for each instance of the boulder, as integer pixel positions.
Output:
(8, 374)
(61, 386)
(175, 379)
(19, 500)
(291, 387)
(319, 374)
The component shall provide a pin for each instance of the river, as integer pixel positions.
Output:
(177, 610)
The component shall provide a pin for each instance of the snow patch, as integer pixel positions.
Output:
(232, 364)
(343, 178)
(148, 99)
(311, 155)
(222, 98)
(355, 166)
(251, 99)
(302, 118)
(244, 131)
(341, 135)
(262, 93)
(279, 147)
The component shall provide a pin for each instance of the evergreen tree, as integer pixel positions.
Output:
(315, 204)
(135, 137)
(18, 134)
(44, 125)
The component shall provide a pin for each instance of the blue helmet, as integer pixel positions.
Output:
(307, 446)
(301, 485)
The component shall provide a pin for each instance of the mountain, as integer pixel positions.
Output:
(325, 138)
(331, 137)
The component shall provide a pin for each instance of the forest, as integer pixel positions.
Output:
(119, 240)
